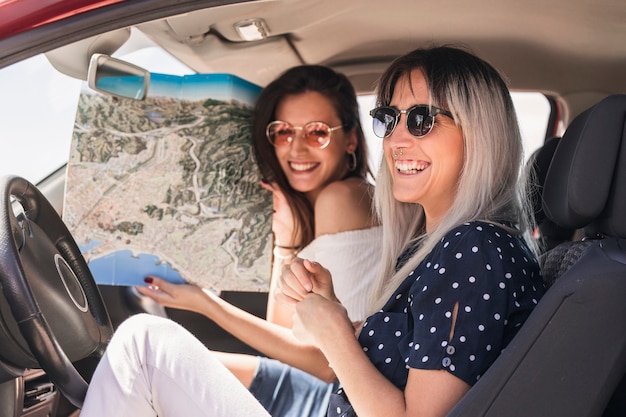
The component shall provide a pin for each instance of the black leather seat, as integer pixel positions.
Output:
(547, 233)
(569, 359)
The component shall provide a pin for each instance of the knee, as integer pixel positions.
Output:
(143, 328)
(144, 320)
(140, 323)
(144, 339)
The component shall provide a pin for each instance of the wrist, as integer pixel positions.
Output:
(285, 252)
(340, 337)
(206, 305)
(287, 241)
(289, 247)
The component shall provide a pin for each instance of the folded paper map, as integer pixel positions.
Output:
(169, 186)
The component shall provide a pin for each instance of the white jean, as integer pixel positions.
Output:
(154, 367)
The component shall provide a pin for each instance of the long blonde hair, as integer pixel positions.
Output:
(479, 100)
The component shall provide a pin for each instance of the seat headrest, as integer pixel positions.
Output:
(539, 163)
(586, 183)
(548, 233)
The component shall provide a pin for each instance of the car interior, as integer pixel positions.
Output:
(569, 359)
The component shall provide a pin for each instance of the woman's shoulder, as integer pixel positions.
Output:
(480, 229)
(352, 188)
(491, 241)
(483, 235)
(344, 205)
(477, 248)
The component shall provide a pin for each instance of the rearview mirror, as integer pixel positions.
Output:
(118, 78)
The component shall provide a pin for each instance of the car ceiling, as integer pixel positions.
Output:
(573, 49)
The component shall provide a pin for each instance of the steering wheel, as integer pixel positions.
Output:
(55, 315)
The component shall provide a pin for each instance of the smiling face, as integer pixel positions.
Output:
(424, 170)
(309, 169)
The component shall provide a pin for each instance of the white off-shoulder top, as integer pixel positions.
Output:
(353, 258)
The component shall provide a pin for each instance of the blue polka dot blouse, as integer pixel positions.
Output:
(456, 311)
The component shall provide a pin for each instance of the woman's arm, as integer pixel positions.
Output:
(427, 393)
(268, 338)
(344, 205)
(285, 251)
(277, 313)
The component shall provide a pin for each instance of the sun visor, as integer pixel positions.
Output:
(73, 59)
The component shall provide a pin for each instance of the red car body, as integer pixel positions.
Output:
(21, 15)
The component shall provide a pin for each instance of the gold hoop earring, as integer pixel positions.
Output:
(352, 163)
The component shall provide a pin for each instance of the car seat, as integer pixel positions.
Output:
(569, 358)
(547, 232)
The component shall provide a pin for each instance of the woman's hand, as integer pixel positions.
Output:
(181, 296)
(282, 220)
(318, 321)
(302, 277)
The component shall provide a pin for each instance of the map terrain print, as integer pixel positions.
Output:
(173, 179)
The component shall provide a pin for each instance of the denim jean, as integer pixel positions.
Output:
(285, 391)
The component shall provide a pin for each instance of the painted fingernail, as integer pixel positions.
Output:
(148, 280)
